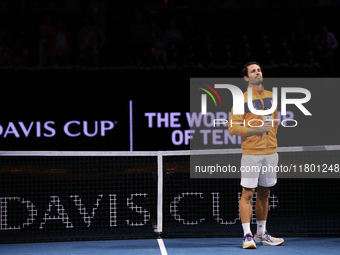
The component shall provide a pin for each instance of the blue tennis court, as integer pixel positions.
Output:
(187, 246)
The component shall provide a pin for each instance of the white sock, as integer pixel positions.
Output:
(261, 227)
(246, 228)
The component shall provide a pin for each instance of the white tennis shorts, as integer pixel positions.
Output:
(259, 170)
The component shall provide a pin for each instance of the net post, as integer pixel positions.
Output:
(159, 228)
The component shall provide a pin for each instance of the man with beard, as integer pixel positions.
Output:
(258, 153)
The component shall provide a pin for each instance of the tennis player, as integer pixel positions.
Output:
(258, 150)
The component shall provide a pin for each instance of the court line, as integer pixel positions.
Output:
(162, 246)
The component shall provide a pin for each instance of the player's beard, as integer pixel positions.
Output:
(256, 81)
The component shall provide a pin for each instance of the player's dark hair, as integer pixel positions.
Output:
(245, 67)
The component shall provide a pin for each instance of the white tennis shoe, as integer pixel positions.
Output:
(248, 242)
(267, 239)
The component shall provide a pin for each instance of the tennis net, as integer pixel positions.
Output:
(89, 195)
